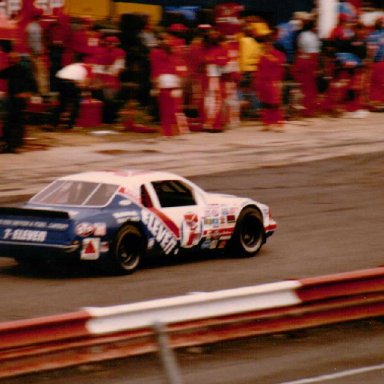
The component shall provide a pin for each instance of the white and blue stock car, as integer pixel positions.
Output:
(118, 217)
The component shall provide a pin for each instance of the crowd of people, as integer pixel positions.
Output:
(203, 78)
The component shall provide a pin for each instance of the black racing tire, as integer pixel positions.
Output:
(127, 251)
(249, 234)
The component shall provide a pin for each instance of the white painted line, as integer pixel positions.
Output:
(339, 375)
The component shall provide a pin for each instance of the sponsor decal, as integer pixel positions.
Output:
(88, 229)
(104, 247)
(34, 224)
(219, 234)
(91, 249)
(212, 211)
(191, 230)
(231, 219)
(48, 6)
(122, 217)
(164, 237)
(100, 229)
(125, 203)
(84, 229)
(25, 235)
(10, 7)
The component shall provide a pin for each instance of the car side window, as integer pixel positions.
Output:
(173, 193)
(145, 198)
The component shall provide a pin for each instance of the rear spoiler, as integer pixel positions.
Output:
(15, 211)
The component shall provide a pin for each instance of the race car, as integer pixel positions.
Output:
(118, 217)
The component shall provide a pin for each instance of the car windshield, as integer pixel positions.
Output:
(78, 193)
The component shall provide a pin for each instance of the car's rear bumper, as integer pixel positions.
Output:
(37, 251)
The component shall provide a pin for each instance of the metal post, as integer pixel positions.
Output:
(167, 355)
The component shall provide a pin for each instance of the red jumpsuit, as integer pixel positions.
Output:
(112, 62)
(342, 77)
(304, 71)
(268, 83)
(165, 76)
(179, 53)
(231, 79)
(213, 87)
(195, 66)
(3, 64)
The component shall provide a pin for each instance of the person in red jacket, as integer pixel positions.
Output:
(306, 67)
(231, 78)
(268, 84)
(215, 59)
(167, 84)
(196, 68)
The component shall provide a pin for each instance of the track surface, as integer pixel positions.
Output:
(330, 215)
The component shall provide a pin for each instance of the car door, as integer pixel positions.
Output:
(182, 204)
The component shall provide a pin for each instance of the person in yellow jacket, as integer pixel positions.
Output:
(250, 51)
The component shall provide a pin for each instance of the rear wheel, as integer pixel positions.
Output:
(128, 250)
(249, 234)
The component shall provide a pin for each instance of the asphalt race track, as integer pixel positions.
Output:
(330, 216)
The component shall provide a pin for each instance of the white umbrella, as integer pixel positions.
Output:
(75, 72)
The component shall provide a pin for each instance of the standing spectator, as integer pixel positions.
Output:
(250, 51)
(34, 32)
(112, 63)
(57, 38)
(231, 80)
(147, 35)
(306, 66)
(20, 85)
(358, 74)
(348, 9)
(177, 33)
(338, 46)
(288, 33)
(215, 59)
(167, 83)
(376, 56)
(3, 64)
(269, 83)
(195, 64)
(85, 41)
(348, 42)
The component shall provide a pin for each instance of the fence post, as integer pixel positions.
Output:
(167, 355)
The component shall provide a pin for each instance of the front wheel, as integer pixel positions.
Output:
(128, 250)
(249, 234)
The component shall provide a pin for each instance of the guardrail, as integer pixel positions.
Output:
(96, 334)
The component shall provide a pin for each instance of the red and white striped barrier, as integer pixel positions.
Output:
(95, 334)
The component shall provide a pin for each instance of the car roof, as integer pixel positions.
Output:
(132, 178)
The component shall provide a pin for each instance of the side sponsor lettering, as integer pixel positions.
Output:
(34, 224)
(24, 235)
(164, 237)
